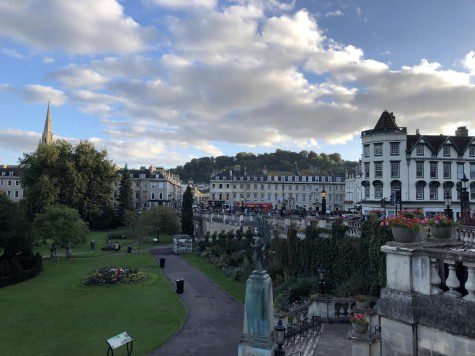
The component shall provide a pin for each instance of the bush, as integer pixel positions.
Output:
(302, 288)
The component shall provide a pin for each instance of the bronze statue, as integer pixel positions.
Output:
(262, 240)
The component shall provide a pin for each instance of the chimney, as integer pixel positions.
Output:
(417, 132)
(461, 131)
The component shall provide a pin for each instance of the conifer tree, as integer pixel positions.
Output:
(187, 226)
(125, 197)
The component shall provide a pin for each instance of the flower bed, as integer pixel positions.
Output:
(107, 276)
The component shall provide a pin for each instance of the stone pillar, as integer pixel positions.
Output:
(452, 282)
(470, 283)
(258, 316)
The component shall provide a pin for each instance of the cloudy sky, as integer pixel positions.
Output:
(162, 81)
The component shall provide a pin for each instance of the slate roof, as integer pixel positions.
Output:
(436, 142)
(386, 122)
(10, 168)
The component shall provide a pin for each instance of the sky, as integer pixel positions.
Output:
(163, 81)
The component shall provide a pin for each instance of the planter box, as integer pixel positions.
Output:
(404, 235)
(441, 232)
(360, 328)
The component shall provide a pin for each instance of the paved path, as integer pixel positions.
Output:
(333, 340)
(214, 322)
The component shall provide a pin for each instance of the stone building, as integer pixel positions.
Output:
(10, 182)
(152, 186)
(353, 191)
(290, 189)
(424, 167)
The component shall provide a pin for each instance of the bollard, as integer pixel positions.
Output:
(162, 262)
(180, 286)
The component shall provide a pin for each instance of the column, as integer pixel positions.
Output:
(470, 284)
(434, 277)
(452, 281)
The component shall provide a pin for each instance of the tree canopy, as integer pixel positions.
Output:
(162, 219)
(125, 199)
(200, 169)
(187, 226)
(76, 176)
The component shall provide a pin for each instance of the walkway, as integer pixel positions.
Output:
(333, 340)
(214, 322)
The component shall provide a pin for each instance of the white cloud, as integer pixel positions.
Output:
(182, 4)
(37, 94)
(469, 62)
(73, 76)
(75, 26)
(48, 60)
(11, 52)
(336, 13)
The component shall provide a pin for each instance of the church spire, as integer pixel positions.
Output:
(47, 137)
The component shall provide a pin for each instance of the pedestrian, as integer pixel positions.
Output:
(53, 253)
(116, 246)
(93, 244)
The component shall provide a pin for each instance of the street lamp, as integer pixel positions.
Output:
(448, 202)
(464, 199)
(321, 279)
(279, 337)
(324, 202)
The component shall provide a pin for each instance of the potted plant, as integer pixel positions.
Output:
(405, 227)
(362, 301)
(441, 227)
(359, 323)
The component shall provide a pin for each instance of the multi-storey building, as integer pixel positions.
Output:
(426, 168)
(353, 191)
(10, 182)
(290, 189)
(152, 186)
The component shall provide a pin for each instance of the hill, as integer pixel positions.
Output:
(199, 170)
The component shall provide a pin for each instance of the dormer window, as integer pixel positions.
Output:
(420, 149)
(378, 149)
(142, 176)
(471, 151)
(446, 151)
(131, 175)
(11, 174)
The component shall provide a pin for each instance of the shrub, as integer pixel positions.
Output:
(301, 288)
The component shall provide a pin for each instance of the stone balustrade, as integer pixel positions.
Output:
(465, 234)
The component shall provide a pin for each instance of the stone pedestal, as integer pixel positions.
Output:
(258, 316)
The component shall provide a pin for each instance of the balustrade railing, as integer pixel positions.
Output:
(465, 234)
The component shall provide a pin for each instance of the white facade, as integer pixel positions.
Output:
(10, 182)
(302, 189)
(353, 191)
(424, 167)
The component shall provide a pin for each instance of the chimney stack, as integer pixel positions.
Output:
(461, 131)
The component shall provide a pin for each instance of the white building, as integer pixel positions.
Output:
(425, 167)
(10, 182)
(152, 186)
(290, 189)
(353, 191)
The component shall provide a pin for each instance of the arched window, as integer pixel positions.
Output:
(472, 191)
(395, 185)
(420, 189)
(378, 189)
(434, 190)
(448, 188)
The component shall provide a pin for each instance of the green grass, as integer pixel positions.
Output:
(235, 288)
(54, 314)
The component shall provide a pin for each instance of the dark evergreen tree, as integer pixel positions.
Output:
(187, 226)
(125, 199)
(293, 251)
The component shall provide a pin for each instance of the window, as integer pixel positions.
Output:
(419, 191)
(447, 190)
(433, 170)
(17, 182)
(3, 174)
(420, 149)
(447, 173)
(9, 182)
(8, 193)
(446, 151)
(227, 186)
(153, 196)
(213, 185)
(366, 150)
(394, 169)
(460, 170)
(1, 182)
(471, 151)
(161, 196)
(433, 192)
(11, 174)
(472, 170)
(366, 192)
(131, 175)
(420, 169)
(472, 191)
(378, 191)
(378, 169)
(394, 149)
(16, 193)
(378, 149)
(366, 170)
(142, 176)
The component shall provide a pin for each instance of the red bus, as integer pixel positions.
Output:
(264, 207)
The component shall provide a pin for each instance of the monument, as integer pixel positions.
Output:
(259, 308)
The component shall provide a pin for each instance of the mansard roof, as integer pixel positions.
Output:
(10, 168)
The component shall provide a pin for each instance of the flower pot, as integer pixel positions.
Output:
(402, 234)
(360, 328)
(441, 232)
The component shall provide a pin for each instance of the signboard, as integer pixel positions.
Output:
(182, 243)
(119, 340)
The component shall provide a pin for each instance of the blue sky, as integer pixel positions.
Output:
(162, 81)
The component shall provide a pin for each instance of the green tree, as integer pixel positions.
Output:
(160, 218)
(62, 174)
(293, 251)
(187, 226)
(61, 224)
(125, 199)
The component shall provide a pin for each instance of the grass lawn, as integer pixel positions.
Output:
(54, 314)
(235, 288)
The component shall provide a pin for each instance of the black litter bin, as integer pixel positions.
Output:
(180, 286)
(162, 262)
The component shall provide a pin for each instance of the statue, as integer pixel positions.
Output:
(262, 237)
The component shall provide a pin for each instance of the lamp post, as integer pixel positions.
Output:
(464, 199)
(279, 337)
(321, 279)
(324, 202)
(448, 202)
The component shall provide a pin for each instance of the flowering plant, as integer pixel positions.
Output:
(411, 214)
(408, 223)
(113, 276)
(361, 298)
(358, 318)
(439, 220)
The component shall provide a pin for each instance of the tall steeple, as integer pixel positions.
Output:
(47, 137)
